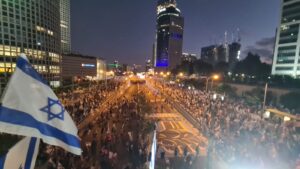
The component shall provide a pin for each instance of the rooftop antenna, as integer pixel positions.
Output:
(225, 40)
(238, 35)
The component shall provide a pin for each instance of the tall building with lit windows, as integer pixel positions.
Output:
(169, 35)
(65, 25)
(32, 27)
(286, 60)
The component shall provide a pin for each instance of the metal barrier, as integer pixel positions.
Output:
(186, 114)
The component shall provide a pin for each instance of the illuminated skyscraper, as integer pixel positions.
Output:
(169, 35)
(286, 60)
(65, 24)
(163, 4)
(34, 28)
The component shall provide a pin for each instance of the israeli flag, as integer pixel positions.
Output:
(30, 108)
(22, 155)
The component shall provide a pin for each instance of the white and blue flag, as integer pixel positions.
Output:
(30, 108)
(22, 155)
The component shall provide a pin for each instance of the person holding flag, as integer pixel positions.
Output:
(22, 155)
(30, 108)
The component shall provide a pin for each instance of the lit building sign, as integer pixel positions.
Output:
(87, 65)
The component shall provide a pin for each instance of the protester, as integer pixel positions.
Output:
(238, 133)
(110, 140)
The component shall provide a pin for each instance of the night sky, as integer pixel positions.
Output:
(124, 30)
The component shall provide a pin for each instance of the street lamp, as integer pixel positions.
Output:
(214, 77)
(265, 96)
(181, 74)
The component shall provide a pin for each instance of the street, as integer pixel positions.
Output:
(174, 131)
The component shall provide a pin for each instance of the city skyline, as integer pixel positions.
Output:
(204, 26)
(114, 84)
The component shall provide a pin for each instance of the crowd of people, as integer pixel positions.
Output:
(114, 139)
(238, 134)
(83, 101)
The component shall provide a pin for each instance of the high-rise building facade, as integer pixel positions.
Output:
(65, 25)
(188, 57)
(286, 59)
(228, 53)
(234, 52)
(32, 27)
(169, 35)
(209, 54)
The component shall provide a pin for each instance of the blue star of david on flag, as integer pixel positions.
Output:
(54, 109)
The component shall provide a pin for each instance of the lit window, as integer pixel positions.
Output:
(2, 70)
(7, 54)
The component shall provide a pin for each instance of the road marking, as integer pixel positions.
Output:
(182, 126)
(177, 125)
(172, 124)
(162, 125)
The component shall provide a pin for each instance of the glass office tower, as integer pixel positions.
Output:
(169, 35)
(286, 60)
(32, 27)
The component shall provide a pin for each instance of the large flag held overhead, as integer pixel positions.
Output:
(22, 155)
(30, 108)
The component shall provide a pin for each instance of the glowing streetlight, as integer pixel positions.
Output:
(213, 77)
(181, 74)
(168, 73)
(216, 77)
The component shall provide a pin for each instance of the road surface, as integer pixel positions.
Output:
(175, 131)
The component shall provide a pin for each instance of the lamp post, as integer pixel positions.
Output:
(214, 77)
(265, 96)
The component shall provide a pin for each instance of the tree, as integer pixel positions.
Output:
(253, 66)
(185, 67)
(227, 89)
(221, 67)
(201, 67)
(291, 100)
(285, 81)
(255, 96)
